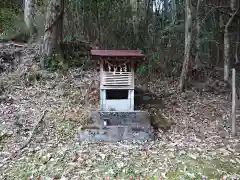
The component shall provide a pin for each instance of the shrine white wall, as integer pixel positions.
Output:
(117, 104)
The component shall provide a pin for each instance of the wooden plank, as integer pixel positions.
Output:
(110, 78)
(120, 83)
(116, 87)
(119, 79)
(106, 72)
(116, 80)
(116, 84)
(112, 82)
(110, 74)
(113, 85)
(114, 76)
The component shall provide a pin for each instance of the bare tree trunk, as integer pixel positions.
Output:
(188, 37)
(198, 28)
(147, 18)
(154, 24)
(237, 43)
(135, 20)
(174, 11)
(53, 16)
(60, 33)
(29, 16)
(165, 5)
(99, 27)
(218, 34)
(227, 48)
(60, 23)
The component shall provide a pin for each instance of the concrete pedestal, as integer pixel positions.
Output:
(114, 126)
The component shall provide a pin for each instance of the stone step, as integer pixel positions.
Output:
(120, 118)
(116, 134)
(134, 127)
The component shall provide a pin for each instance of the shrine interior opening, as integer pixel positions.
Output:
(116, 94)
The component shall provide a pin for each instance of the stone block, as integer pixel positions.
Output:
(115, 134)
(113, 118)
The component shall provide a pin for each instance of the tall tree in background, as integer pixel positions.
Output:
(165, 5)
(227, 47)
(198, 28)
(29, 15)
(53, 29)
(174, 10)
(188, 37)
(135, 17)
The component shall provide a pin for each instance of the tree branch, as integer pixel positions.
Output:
(231, 19)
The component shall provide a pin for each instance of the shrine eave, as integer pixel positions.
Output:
(131, 54)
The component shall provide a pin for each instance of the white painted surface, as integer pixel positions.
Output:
(131, 99)
(117, 105)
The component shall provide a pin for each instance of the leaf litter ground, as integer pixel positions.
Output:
(198, 145)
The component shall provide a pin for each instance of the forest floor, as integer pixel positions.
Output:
(198, 145)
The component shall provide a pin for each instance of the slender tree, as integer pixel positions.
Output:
(198, 28)
(29, 15)
(227, 47)
(188, 37)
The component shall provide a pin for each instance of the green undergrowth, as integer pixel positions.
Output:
(11, 22)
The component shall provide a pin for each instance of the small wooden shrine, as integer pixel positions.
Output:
(116, 120)
(117, 69)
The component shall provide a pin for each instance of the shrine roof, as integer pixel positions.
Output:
(117, 53)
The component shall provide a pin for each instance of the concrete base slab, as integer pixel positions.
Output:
(115, 134)
(114, 126)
